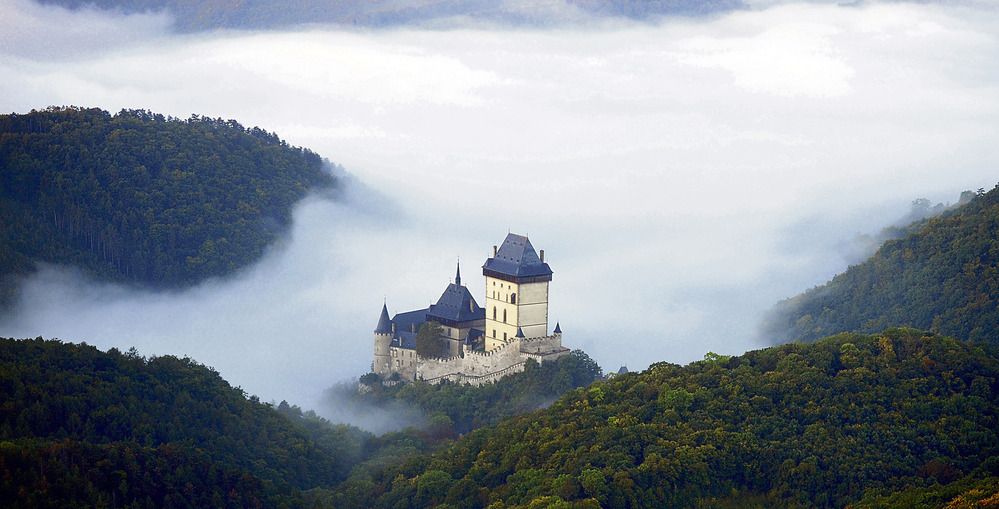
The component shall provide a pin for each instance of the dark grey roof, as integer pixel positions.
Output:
(456, 305)
(520, 332)
(384, 323)
(516, 258)
(558, 329)
(406, 326)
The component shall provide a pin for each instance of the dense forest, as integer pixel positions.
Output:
(943, 276)
(454, 409)
(84, 428)
(802, 425)
(142, 198)
(899, 419)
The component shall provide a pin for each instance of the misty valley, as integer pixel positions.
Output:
(466, 255)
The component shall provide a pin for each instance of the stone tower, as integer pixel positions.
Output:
(516, 292)
(382, 363)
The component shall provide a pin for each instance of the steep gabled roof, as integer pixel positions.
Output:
(516, 258)
(456, 304)
(384, 323)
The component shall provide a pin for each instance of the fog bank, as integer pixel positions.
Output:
(681, 176)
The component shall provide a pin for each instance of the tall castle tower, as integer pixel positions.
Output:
(516, 292)
(382, 363)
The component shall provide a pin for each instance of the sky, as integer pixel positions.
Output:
(682, 175)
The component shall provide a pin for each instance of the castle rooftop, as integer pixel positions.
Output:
(517, 261)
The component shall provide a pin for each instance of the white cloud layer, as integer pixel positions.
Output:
(682, 176)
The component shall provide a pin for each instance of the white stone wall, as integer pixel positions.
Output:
(478, 367)
(403, 361)
(533, 309)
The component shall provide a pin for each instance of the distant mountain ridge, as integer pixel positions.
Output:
(141, 198)
(942, 275)
(193, 15)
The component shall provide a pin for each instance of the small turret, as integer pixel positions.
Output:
(382, 364)
(384, 322)
(520, 332)
(558, 330)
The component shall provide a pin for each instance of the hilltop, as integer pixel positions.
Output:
(80, 427)
(802, 425)
(140, 198)
(941, 275)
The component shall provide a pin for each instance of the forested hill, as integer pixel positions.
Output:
(942, 276)
(906, 415)
(84, 428)
(143, 198)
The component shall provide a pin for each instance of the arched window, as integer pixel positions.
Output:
(504, 316)
(513, 298)
(494, 316)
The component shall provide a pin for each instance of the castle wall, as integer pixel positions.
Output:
(533, 312)
(403, 361)
(480, 367)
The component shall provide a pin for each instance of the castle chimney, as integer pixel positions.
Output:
(542, 256)
(494, 251)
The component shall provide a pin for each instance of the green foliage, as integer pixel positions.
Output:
(814, 425)
(468, 407)
(942, 276)
(429, 342)
(79, 427)
(141, 198)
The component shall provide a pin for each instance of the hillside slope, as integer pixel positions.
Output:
(141, 198)
(84, 428)
(942, 276)
(814, 425)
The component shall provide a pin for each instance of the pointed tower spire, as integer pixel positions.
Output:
(558, 330)
(520, 332)
(457, 274)
(384, 322)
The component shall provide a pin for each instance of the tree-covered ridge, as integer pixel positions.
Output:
(942, 276)
(454, 409)
(80, 427)
(143, 198)
(800, 425)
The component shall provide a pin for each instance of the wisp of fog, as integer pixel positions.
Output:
(682, 176)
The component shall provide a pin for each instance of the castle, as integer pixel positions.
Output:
(478, 344)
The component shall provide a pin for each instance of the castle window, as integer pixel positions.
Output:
(513, 298)
(494, 317)
(504, 336)
(504, 316)
(494, 333)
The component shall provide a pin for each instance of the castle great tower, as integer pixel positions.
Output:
(516, 292)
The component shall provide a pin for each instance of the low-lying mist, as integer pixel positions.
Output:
(681, 176)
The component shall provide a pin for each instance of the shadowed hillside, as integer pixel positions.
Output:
(943, 275)
(84, 428)
(141, 198)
